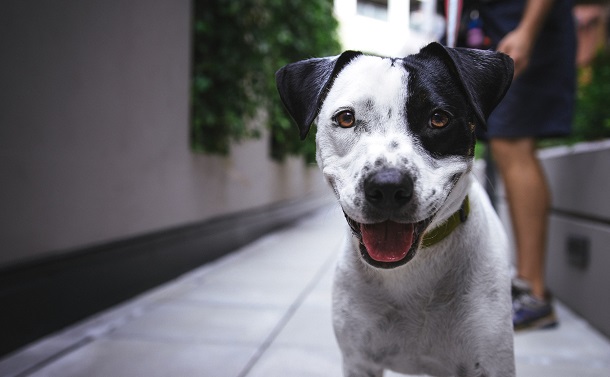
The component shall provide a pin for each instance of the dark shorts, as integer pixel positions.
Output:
(540, 102)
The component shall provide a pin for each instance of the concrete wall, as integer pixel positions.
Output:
(94, 125)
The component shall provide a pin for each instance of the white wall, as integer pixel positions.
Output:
(94, 117)
(391, 37)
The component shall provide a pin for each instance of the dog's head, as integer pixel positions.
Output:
(396, 136)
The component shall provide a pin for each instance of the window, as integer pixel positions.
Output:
(377, 9)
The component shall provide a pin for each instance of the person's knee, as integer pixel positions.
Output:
(508, 151)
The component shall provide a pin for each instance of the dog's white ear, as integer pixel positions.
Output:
(485, 75)
(303, 86)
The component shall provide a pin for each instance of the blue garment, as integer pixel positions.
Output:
(540, 102)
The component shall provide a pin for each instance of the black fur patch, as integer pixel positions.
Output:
(431, 88)
(464, 84)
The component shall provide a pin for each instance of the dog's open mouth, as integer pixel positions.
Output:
(388, 244)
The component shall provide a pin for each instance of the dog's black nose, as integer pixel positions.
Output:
(388, 189)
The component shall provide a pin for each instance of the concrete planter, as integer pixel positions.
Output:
(578, 254)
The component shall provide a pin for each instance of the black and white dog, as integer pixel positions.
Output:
(422, 285)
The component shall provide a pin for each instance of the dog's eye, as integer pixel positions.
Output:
(346, 119)
(439, 119)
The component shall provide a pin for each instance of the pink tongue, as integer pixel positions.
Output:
(387, 241)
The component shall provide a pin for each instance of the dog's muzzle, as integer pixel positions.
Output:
(388, 244)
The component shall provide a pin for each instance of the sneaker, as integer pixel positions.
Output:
(530, 312)
(519, 287)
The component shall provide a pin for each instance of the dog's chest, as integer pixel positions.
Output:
(408, 331)
(403, 341)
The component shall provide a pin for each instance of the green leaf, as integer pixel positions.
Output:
(238, 46)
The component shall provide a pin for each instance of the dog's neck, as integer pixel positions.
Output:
(439, 233)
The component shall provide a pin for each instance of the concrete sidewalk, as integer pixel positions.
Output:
(261, 311)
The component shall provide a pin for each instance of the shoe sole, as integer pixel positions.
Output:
(547, 322)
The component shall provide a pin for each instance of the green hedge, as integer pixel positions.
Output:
(592, 115)
(238, 46)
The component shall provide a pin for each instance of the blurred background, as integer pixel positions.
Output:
(140, 139)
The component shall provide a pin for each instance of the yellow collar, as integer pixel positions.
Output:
(439, 233)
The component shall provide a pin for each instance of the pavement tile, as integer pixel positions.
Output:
(247, 272)
(257, 293)
(133, 358)
(311, 324)
(33, 355)
(298, 361)
(528, 370)
(190, 322)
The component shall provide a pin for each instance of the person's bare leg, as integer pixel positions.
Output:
(528, 200)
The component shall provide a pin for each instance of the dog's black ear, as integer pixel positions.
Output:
(303, 86)
(485, 75)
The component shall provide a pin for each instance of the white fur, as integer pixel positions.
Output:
(447, 312)
(341, 154)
